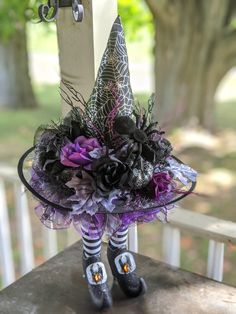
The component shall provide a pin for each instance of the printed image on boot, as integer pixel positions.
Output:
(96, 277)
(123, 267)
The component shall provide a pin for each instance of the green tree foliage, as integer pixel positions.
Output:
(15, 84)
(14, 14)
(135, 17)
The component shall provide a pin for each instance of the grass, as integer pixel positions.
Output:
(226, 115)
(18, 126)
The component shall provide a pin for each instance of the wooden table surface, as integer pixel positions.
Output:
(58, 286)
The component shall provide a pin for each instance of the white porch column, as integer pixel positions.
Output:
(81, 45)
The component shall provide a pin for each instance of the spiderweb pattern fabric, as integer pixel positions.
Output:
(113, 77)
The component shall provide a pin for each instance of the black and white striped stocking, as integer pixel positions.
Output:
(92, 240)
(119, 239)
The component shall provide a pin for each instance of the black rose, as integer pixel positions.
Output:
(110, 174)
(73, 122)
(47, 152)
(74, 128)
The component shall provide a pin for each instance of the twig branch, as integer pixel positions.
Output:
(77, 96)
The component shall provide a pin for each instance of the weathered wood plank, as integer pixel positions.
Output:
(58, 286)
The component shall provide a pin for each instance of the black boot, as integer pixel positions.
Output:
(96, 277)
(123, 267)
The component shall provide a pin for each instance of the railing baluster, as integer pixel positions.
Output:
(171, 245)
(133, 238)
(215, 262)
(8, 275)
(50, 242)
(72, 236)
(24, 229)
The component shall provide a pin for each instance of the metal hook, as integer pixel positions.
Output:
(77, 10)
(43, 11)
(46, 16)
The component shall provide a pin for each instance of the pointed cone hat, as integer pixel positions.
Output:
(113, 81)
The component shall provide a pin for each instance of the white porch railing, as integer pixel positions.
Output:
(22, 232)
(219, 232)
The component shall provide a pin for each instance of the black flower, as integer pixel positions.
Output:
(110, 174)
(160, 150)
(74, 128)
(50, 163)
(47, 153)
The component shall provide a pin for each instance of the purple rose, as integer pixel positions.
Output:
(163, 184)
(81, 152)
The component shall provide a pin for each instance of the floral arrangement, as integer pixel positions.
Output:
(128, 169)
(106, 160)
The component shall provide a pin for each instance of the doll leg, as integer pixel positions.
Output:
(123, 265)
(94, 269)
(91, 244)
(118, 240)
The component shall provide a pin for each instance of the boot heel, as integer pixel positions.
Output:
(144, 286)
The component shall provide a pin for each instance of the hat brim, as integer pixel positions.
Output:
(102, 210)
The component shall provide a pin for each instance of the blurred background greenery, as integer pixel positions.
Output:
(184, 49)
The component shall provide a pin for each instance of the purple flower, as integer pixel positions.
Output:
(163, 184)
(81, 152)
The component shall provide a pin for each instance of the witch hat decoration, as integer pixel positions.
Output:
(106, 164)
